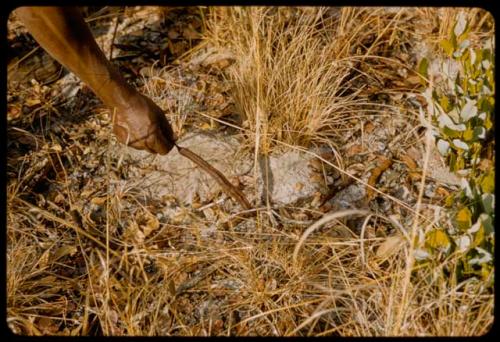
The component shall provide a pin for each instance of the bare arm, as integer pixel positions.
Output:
(63, 33)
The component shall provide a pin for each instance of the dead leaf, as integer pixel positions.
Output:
(63, 251)
(354, 149)
(316, 201)
(86, 193)
(48, 280)
(242, 328)
(206, 126)
(442, 192)
(412, 166)
(113, 316)
(47, 326)
(217, 327)
(190, 33)
(173, 34)
(485, 164)
(413, 80)
(56, 148)
(44, 259)
(98, 200)
(221, 64)
(384, 164)
(13, 112)
(410, 163)
(171, 287)
(368, 127)
(151, 225)
(133, 233)
(59, 198)
(317, 178)
(316, 164)
(32, 102)
(396, 96)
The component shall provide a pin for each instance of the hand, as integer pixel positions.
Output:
(143, 126)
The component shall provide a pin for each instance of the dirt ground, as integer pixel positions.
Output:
(103, 239)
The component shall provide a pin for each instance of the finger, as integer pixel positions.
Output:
(166, 130)
(158, 143)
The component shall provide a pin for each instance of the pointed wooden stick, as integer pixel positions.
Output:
(229, 188)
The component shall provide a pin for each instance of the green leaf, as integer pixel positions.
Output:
(460, 163)
(453, 40)
(488, 201)
(423, 67)
(452, 162)
(450, 133)
(487, 223)
(483, 257)
(486, 54)
(479, 133)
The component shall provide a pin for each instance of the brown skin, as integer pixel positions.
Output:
(63, 33)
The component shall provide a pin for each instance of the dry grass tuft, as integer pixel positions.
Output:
(299, 71)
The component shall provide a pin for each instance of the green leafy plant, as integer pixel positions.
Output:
(463, 121)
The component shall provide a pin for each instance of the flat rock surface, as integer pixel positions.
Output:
(175, 175)
(286, 176)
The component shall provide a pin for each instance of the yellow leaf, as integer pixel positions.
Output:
(438, 239)
(479, 236)
(449, 201)
(468, 134)
(464, 218)
(447, 46)
(32, 102)
(488, 182)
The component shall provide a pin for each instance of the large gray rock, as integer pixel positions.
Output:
(175, 175)
(286, 176)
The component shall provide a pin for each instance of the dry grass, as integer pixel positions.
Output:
(296, 70)
(101, 261)
(438, 23)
